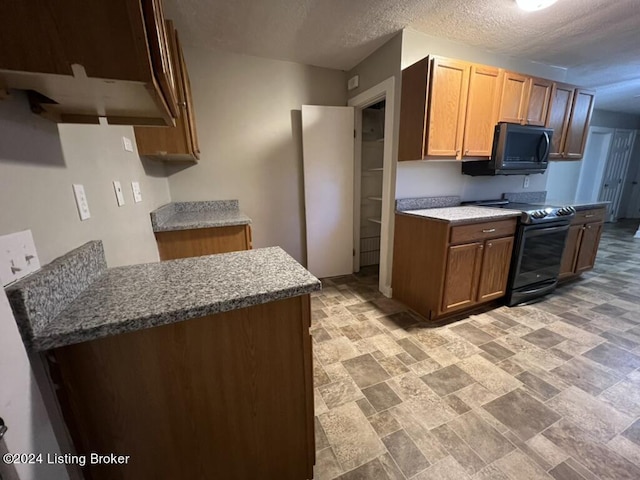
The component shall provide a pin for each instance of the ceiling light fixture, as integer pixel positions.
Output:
(533, 5)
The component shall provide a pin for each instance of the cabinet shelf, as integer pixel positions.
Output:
(375, 220)
(376, 199)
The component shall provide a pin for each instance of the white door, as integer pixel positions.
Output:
(616, 171)
(327, 149)
(593, 163)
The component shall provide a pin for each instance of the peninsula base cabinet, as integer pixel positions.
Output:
(440, 268)
(203, 241)
(227, 396)
(582, 243)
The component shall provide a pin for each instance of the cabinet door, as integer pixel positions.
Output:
(482, 110)
(514, 97)
(558, 117)
(186, 101)
(461, 277)
(538, 99)
(588, 247)
(160, 52)
(413, 111)
(568, 263)
(579, 123)
(447, 107)
(495, 268)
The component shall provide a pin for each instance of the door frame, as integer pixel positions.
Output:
(385, 90)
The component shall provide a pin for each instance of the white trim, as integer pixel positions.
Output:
(384, 90)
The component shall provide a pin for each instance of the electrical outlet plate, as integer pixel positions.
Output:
(137, 193)
(118, 189)
(81, 202)
(525, 184)
(127, 144)
(18, 256)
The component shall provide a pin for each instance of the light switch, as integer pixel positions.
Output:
(127, 144)
(81, 201)
(18, 256)
(118, 189)
(137, 193)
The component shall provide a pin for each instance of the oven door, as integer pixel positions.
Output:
(538, 254)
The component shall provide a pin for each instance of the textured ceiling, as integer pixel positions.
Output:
(598, 41)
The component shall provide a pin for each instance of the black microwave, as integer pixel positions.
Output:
(517, 150)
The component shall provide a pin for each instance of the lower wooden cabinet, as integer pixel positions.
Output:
(203, 241)
(228, 396)
(582, 243)
(439, 269)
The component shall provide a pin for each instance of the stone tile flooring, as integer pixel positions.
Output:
(549, 390)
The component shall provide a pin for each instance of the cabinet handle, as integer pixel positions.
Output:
(589, 227)
(480, 247)
(489, 230)
(182, 104)
(466, 152)
(489, 245)
(590, 215)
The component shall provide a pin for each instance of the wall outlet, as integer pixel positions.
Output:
(81, 201)
(525, 184)
(127, 144)
(18, 256)
(137, 193)
(118, 189)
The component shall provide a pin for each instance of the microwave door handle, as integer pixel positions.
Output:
(547, 147)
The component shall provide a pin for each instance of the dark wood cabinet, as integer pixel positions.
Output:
(441, 269)
(582, 243)
(83, 60)
(578, 128)
(180, 142)
(227, 396)
(495, 268)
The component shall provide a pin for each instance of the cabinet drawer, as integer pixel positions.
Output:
(484, 230)
(586, 216)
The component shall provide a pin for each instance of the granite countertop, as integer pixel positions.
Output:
(194, 215)
(53, 311)
(464, 214)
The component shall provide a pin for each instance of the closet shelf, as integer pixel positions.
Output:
(375, 220)
(377, 199)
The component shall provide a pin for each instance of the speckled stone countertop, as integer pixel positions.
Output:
(464, 214)
(194, 215)
(130, 298)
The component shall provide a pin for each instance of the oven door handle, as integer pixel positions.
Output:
(545, 230)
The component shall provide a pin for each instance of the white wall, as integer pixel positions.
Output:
(563, 181)
(248, 118)
(38, 164)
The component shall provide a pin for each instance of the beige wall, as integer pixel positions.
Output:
(248, 118)
(39, 161)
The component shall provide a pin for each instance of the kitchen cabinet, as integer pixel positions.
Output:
(578, 128)
(482, 110)
(203, 241)
(180, 142)
(569, 115)
(448, 109)
(524, 99)
(441, 268)
(582, 243)
(83, 60)
(558, 117)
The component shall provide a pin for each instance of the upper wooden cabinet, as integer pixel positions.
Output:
(579, 120)
(569, 115)
(524, 99)
(449, 108)
(179, 142)
(83, 60)
(482, 110)
(449, 88)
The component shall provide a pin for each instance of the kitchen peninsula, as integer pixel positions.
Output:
(196, 368)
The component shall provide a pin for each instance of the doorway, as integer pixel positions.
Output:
(374, 180)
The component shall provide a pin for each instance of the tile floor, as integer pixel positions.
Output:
(550, 390)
